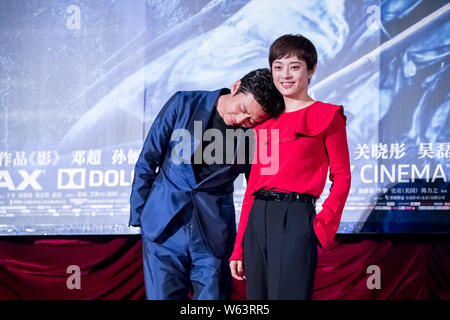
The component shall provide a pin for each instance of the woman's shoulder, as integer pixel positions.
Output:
(310, 121)
(317, 118)
(327, 108)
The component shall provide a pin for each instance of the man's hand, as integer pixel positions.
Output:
(237, 269)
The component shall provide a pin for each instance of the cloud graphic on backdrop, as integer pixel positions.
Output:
(206, 60)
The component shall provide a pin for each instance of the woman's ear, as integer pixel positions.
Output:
(311, 73)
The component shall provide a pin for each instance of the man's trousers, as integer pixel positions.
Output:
(180, 264)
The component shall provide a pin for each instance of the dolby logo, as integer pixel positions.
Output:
(82, 178)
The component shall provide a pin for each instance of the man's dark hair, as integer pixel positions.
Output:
(293, 45)
(259, 83)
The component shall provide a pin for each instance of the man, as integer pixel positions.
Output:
(183, 203)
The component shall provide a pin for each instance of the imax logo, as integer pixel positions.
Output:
(27, 180)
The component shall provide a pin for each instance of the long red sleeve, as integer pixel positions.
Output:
(328, 219)
(310, 141)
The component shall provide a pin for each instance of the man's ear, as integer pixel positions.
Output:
(235, 87)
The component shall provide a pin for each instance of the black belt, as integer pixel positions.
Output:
(270, 195)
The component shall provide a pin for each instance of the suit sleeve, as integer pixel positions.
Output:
(328, 219)
(151, 157)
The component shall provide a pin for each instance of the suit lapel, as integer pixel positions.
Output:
(226, 173)
(197, 125)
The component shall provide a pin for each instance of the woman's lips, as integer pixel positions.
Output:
(287, 85)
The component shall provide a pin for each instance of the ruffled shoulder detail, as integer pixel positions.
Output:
(310, 121)
(316, 118)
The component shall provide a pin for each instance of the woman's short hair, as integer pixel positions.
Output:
(293, 45)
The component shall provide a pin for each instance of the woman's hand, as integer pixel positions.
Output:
(237, 269)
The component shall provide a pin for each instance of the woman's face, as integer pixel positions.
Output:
(291, 76)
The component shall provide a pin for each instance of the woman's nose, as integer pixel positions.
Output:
(285, 73)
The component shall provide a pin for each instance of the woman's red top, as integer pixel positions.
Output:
(310, 141)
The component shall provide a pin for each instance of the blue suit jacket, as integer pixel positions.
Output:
(162, 187)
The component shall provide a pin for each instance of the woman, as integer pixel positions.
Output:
(278, 216)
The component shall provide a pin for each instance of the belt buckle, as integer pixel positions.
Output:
(274, 196)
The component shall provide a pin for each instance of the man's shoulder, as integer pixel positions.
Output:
(191, 99)
(197, 92)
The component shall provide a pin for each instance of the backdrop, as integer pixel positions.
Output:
(82, 81)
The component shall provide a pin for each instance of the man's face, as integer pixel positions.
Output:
(243, 110)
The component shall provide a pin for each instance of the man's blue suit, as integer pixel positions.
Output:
(164, 190)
